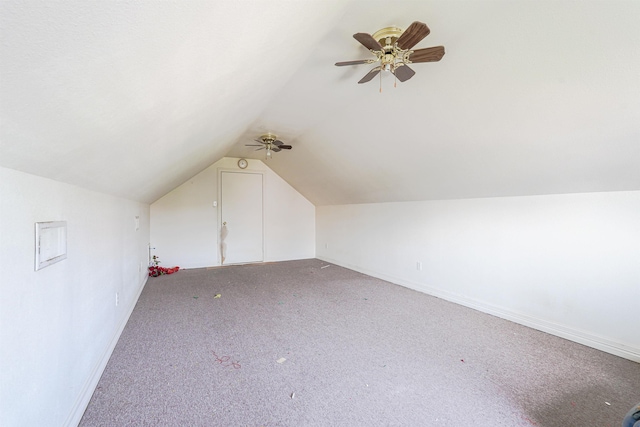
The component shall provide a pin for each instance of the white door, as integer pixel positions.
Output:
(241, 217)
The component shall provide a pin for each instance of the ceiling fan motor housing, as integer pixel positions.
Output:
(268, 138)
(393, 33)
(390, 54)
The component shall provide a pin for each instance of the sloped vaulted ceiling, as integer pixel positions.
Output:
(133, 98)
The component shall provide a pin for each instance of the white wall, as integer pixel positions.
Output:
(184, 223)
(566, 264)
(58, 325)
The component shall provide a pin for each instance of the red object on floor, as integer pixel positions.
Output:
(155, 271)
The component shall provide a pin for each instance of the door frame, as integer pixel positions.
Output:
(219, 211)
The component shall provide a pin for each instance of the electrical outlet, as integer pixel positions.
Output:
(326, 246)
(419, 266)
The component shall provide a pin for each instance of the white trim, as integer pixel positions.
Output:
(576, 335)
(92, 382)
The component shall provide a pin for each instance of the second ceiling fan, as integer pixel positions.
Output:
(271, 143)
(392, 48)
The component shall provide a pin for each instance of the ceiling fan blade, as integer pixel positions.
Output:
(358, 62)
(285, 147)
(277, 142)
(428, 54)
(275, 149)
(412, 35)
(403, 73)
(367, 41)
(261, 148)
(371, 74)
(253, 145)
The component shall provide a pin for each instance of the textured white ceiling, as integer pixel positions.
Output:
(133, 98)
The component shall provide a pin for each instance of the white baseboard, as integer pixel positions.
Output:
(569, 333)
(92, 382)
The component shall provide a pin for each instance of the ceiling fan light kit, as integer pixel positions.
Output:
(392, 48)
(270, 143)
